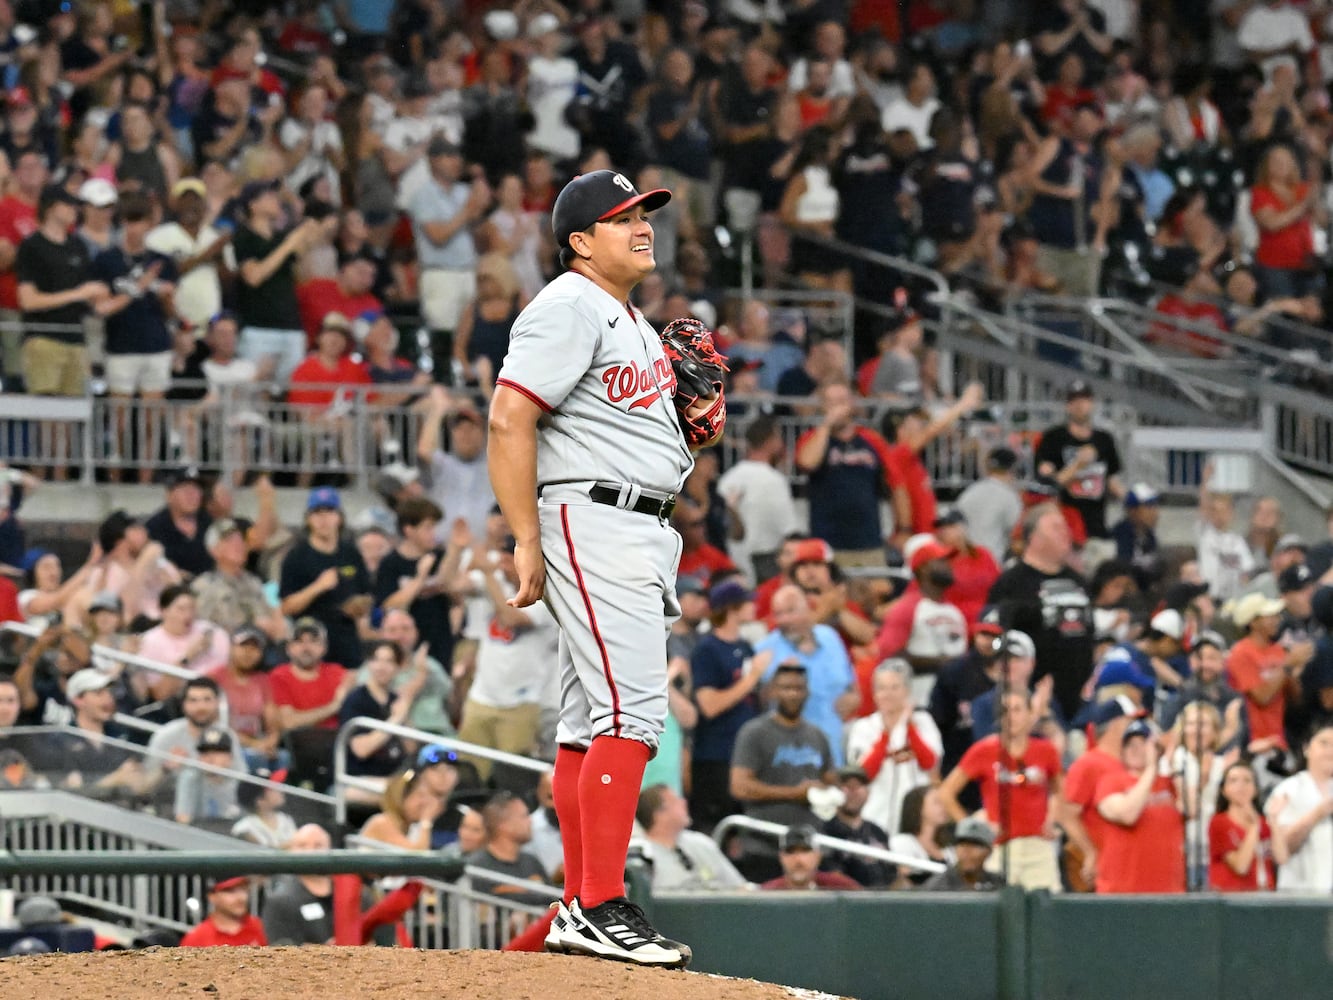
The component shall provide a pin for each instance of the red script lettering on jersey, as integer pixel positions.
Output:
(640, 385)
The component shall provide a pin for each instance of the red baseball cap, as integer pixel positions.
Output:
(928, 552)
(812, 550)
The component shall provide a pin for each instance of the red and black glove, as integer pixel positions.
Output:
(699, 370)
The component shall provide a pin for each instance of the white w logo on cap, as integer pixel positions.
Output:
(621, 181)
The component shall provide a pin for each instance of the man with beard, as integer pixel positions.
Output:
(179, 737)
(779, 759)
(1082, 460)
(230, 922)
(848, 824)
(307, 690)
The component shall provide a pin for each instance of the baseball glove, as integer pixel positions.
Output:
(699, 369)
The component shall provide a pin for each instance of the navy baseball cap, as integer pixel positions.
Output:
(595, 196)
(729, 593)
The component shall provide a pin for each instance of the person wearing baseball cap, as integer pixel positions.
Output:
(1207, 682)
(1084, 462)
(188, 237)
(229, 921)
(1135, 535)
(961, 681)
(974, 568)
(923, 626)
(973, 844)
(800, 856)
(1264, 671)
(592, 198)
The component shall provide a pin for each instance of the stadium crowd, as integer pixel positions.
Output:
(210, 198)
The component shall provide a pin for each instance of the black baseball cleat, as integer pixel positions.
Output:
(618, 929)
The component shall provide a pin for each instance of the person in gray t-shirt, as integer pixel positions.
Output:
(992, 505)
(899, 372)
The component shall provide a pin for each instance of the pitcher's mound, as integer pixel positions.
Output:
(326, 973)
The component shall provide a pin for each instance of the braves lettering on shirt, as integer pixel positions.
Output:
(851, 454)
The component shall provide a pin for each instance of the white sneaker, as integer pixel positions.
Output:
(555, 937)
(618, 929)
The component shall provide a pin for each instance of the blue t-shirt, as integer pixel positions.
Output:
(141, 327)
(717, 663)
(845, 489)
(829, 673)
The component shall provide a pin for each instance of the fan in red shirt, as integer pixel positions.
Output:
(796, 549)
(1284, 206)
(1242, 854)
(1067, 94)
(329, 364)
(18, 219)
(913, 496)
(307, 690)
(800, 857)
(348, 294)
(974, 568)
(230, 922)
(1083, 824)
(1019, 775)
(1264, 671)
(698, 559)
(1145, 839)
(1190, 303)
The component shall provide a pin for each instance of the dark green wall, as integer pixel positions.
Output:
(902, 946)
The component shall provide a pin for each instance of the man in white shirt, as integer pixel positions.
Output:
(915, 109)
(683, 860)
(406, 139)
(992, 505)
(1225, 559)
(1273, 31)
(552, 82)
(1300, 810)
(516, 671)
(194, 247)
(759, 493)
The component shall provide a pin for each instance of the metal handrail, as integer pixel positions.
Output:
(938, 280)
(469, 872)
(126, 659)
(776, 830)
(342, 780)
(294, 791)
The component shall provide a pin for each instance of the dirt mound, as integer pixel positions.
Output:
(325, 973)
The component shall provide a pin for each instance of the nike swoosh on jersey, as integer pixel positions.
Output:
(612, 322)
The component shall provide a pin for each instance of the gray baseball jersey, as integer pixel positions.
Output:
(600, 377)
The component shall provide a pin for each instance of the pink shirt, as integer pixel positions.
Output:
(157, 645)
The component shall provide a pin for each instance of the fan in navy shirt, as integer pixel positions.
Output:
(848, 469)
(142, 282)
(726, 675)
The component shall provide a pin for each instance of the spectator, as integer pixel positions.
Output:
(922, 626)
(827, 588)
(81, 755)
(698, 558)
(430, 711)
(308, 690)
(780, 758)
(131, 566)
(849, 823)
(924, 819)
(183, 640)
(679, 123)
(1084, 826)
(683, 860)
(266, 301)
(251, 710)
(1019, 777)
(896, 370)
(517, 234)
(746, 108)
(508, 832)
(800, 859)
(1135, 536)
(18, 221)
(1286, 208)
(1273, 30)
(1207, 683)
(898, 746)
(1298, 811)
(459, 482)
(1196, 763)
(516, 670)
(1013, 671)
(56, 290)
(349, 295)
(229, 921)
(1040, 595)
(974, 840)
(138, 341)
(410, 811)
(612, 79)
(444, 211)
(825, 363)
(810, 205)
(311, 142)
(760, 494)
(323, 577)
(1083, 460)
(725, 673)
(1148, 658)
(229, 594)
(1290, 550)
(1241, 849)
(493, 113)
(992, 506)
(373, 752)
(1266, 673)
(43, 602)
(203, 794)
(552, 84)
(181, 525)
(46, 700)
(911, 494)
(195, 248)
(179, 738)
(144, 164)
(848, 469)
(974, 568)
(1144, 822)
(916, 107)
(832, 694)
(485, 322)
(960, 683)
(1224, 557)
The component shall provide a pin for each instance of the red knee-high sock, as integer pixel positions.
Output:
(608, 796)
(534, 938)
(565, 789)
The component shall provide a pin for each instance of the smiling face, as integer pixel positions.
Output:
(618, 250)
